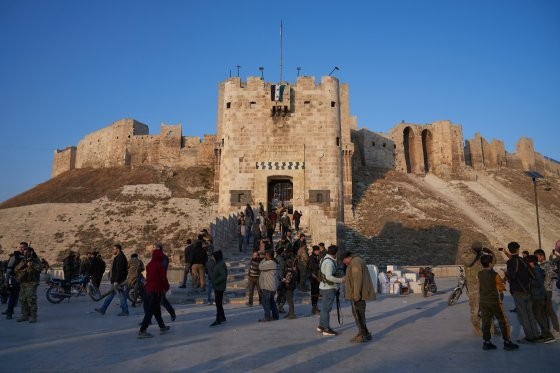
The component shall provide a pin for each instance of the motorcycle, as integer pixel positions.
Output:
(461, 284)
(429, 283)
(60, 289)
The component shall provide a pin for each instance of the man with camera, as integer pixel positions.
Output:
(28, 273)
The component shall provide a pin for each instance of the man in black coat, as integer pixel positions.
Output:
(119, 272)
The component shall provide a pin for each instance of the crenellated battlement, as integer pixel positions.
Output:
(127, 142)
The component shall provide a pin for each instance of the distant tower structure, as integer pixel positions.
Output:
(290, 145)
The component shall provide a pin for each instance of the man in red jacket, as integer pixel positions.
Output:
(156, 286)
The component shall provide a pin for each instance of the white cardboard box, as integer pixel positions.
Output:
(415, 287)
(395, 288)
(385, 288)
(411, 276)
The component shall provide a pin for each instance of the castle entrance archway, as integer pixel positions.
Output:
(409, 149)
(280, 192)
(427, 149)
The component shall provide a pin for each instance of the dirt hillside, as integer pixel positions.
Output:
(90, 209)
(398, 218)
(417, 220)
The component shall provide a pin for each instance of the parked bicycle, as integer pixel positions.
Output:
(461, 284)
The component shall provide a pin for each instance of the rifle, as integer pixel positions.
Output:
(338, 313)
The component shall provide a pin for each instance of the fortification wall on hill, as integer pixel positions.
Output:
(439, 148)
(127, 142)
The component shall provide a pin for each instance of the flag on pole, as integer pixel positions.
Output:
(276, 92)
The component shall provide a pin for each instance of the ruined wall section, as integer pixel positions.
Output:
(435, 147)
(128, 143)
(63, 160)
(373, 149)
(107, 146)
(479, 154)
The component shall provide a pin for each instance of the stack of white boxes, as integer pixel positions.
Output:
(398, 283)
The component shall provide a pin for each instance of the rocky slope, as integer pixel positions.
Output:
(399, 218)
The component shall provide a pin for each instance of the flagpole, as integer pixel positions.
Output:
(280, 51)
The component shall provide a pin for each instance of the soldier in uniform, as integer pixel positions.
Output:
(471, 261)
(28, 272)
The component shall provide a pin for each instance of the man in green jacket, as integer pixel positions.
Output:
(359, 288)
(219, 282)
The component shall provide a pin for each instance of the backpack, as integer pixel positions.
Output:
(323, 277)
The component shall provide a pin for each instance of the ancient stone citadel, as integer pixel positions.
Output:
(298, 146)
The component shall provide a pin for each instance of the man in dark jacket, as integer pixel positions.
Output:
(219, 281)
(519, 275)
(119, 272)
(198, 262)
(188, 263)
(97, 269)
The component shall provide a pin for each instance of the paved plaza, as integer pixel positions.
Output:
(410, 334)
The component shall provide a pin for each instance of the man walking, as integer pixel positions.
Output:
(119, 272)
(328, 288)
(156, 285)
(359, 289)
(164, 302)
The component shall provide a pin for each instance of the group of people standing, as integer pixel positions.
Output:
(530, 278)
(93, 264)
(274, 274)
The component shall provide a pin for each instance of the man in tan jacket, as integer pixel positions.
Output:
(358, 289)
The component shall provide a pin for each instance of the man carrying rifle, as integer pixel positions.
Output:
(329, 288)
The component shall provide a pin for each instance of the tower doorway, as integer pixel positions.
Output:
(280, 193)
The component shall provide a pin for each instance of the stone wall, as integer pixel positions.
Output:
(373, 149)
(435, 147)
(127, 142)
(481, 155)
(63, 160)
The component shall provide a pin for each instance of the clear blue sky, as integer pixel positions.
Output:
(70, 67)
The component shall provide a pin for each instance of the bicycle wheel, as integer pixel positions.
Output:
(454, 296)
(425, 288)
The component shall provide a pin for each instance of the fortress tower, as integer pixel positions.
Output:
(286, 144)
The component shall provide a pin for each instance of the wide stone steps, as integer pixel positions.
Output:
(236, 291)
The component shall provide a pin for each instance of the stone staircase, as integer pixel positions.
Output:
(236, 291)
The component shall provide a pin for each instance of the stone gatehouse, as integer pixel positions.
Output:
(284, 144)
